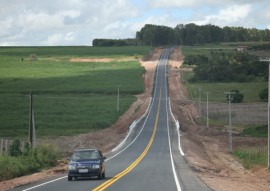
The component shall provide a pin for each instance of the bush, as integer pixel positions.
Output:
(43, 156)
(14, 149)
(237, 97)
(263, 95)
(256, 131)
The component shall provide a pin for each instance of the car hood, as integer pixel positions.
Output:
(85, 162)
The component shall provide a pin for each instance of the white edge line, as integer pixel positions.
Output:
(178, 131)
(131, 127)
(168, 130)
(45, 183)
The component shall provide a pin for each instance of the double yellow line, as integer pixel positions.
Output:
(136, 162)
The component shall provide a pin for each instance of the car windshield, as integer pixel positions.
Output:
(85, 155)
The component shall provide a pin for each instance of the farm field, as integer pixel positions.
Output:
(69, 96)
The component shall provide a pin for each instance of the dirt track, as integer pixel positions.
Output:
(205, 148)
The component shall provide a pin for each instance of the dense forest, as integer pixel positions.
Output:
(189, 34)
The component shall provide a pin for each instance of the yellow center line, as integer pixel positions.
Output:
(136, 162)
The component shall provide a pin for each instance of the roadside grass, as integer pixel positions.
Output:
(69, 97)
(256, 131)
(251, 156)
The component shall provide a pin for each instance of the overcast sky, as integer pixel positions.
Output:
(78, 22)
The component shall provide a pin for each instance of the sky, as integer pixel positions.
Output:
(78, 22)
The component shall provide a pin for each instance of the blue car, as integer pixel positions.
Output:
(86, 163)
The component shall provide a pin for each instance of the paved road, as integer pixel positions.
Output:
(148, 160)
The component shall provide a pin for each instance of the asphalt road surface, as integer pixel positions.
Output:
(149, 159)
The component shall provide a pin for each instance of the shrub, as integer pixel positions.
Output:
(263, 95)
(237, 97)
(34, 160)
(14, 149)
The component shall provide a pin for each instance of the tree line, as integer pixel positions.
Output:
(187, 34)
(115, 42)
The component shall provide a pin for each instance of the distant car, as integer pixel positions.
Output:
(86, 163)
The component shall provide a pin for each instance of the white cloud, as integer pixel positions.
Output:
(58, 38)
(77, 22)
(173, 3)
(228, 16)
(6, 26)
(39, 21)
(197, 3)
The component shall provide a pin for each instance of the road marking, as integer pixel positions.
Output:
(45, 183)
(136, 162)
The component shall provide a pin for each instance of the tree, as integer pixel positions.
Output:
(14, 149)
(236, 97)
(263, 95)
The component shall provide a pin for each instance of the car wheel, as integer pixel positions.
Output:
(103, 175)
(69, 178)
(100, 176)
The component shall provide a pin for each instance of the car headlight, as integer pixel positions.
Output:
(71, 167)
(95, 166)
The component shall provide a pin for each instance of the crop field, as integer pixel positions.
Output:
(68, 97)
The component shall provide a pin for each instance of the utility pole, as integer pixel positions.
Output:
(230, 120)
(118, 99)
(200, 88)
(207, 116)
(268, 60)
(31, 121)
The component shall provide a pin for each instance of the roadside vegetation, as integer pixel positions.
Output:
(251, 156)
(69, 97)
(220, 68)
(18, 162)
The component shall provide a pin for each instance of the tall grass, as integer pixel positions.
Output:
(251, 156)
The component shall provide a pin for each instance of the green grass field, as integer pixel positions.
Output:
(69, 97)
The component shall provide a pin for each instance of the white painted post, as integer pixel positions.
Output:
(1, 147)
